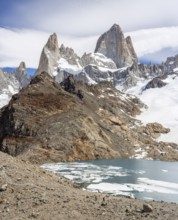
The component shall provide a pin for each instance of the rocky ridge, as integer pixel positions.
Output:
(73, 121)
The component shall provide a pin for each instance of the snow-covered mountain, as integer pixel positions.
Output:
(112, 51)
(102, 65)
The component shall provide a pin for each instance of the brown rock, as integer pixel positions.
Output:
(155, 129)
(3, 188)
(147, 208)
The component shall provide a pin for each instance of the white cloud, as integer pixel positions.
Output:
(21, 45)
(90, 17)
(26, 45)
(149, 41)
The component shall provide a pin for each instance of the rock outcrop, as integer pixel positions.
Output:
(171, 64)
(114, 45)
(155, 83)
(73, 121)
(155, 129)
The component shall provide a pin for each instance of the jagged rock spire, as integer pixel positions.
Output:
(21, 75)
(49, 56)
(52, 43)
(114, 45)
(22, 65)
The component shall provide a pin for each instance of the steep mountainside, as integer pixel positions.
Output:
(70, 121)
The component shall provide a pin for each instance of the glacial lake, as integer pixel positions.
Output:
(142, 179)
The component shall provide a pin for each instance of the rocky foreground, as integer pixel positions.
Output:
(29, 192)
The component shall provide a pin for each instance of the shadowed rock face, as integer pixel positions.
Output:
(113, 45)
(71, 121)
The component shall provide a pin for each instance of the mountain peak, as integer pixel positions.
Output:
(49, 56)
(114, 46)
(52, 43)
(22, 65)
(21, 75)
(116, 27)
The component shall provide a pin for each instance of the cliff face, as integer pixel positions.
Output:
(114, 45)
(71, 121)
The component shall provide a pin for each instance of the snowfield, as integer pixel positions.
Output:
(162, 106)
(4, 100)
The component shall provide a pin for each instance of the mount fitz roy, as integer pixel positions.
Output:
(72, 108)
(114, 60)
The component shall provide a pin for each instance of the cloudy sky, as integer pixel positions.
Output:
(25, 26)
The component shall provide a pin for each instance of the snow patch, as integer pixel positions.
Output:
(4, 100)
(175, 69)
(171, 62)
(11, 89)
(101, 96)
(64, 65)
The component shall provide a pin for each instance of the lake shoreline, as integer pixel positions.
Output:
(30, 192)
(141, 179)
